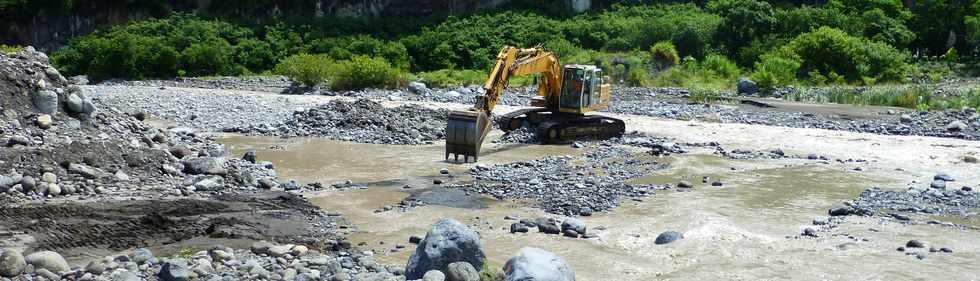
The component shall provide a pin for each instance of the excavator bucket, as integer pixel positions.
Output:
(465, 131)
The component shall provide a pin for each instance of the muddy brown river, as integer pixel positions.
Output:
(745, 230)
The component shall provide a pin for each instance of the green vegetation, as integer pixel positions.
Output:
(919, 97)
(6, 49)
(776, 42)
(310, 70)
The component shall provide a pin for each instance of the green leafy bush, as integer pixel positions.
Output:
(828, 50)
(773, 71)
(365, 72)
(665, 54)
(7, 49)
(310, 70)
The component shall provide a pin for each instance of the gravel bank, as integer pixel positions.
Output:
(360, 121)
(570, 185)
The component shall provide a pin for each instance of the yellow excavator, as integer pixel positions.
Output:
(565, 94)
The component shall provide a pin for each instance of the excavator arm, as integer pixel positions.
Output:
(466, 130)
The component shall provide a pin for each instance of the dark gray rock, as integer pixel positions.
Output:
(181, 151)
(95, 267)
(573, 224)
(174, 270)
(747, 87)
(569, 233)
(533, 264)
(414, 239)
(18, 140)
(547, 226)
(915, 244)
(943, 177)
(48, 260)
(946, 250)
(447, 242)
(205, 165)
(12, 263)
(461, 271)
(938, 184)
(668, 237)
(685, 184)
(717, 183)
(956, 126)
(46, 101)
(261, 247)
(249, 156)
(810, 232)
(839, 211)
(75, 103)
(518, 227)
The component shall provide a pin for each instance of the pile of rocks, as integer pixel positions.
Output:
(264, 261)
(569, 227)
(936, 199)
(361, 121)
(568, 185)
(200, 109)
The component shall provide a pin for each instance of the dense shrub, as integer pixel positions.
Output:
(6, 49)
(310, 70)
(773, 71)
(744, 20)
(830, 51)
(344, 48)
(178, 45)
(365, 72)
(665, 54)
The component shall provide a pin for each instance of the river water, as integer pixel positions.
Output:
(745, 230)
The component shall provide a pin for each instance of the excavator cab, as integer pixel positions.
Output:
(582, 89)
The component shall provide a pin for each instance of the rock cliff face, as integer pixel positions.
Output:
(47, 28)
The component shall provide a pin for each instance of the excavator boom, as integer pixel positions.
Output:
(467, 129)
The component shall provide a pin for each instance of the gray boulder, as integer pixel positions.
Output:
(174, 270)
(747, 87)
(11, 263)
(956, 126)
(667, 237)
(938, 184)
(447, 242)
(46, 101)
(418, 88)
(142, 255)
(537, 265)
(6, 182)
(462, 271)
(48, 260)
(573, 224)
(205, 165)
(84, 171)
(547, 226)
(75, 103)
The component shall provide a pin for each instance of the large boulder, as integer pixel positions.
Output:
(205, 165)
(668, 237)
(49, 260)
(747, 87)
(174, 270)
(11, 263)
(75, 103)
(537, 265)
(573, 224)
(447, 242)
(46, 101)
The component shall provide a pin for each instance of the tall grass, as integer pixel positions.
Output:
(918, 97)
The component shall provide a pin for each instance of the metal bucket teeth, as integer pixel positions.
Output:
(465, 131)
